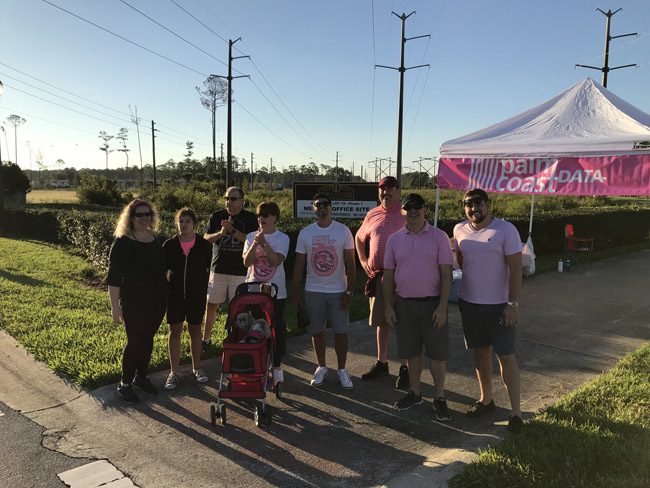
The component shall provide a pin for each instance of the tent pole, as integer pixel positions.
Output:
(532, 209)
(435, 212)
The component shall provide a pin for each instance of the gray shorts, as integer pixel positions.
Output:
(414, 329)
(321, 305)
(483, 326)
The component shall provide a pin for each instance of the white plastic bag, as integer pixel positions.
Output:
(528, 257)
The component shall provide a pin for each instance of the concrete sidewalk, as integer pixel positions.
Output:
(574, 326)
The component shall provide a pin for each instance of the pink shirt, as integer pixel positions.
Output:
(485, 271)
(186, 246)
(416, 259)
(379, 225)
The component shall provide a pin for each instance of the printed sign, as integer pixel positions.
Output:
(349, 200)
(602, 175)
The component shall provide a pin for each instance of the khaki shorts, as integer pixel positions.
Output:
(377, 317)
(221, 286)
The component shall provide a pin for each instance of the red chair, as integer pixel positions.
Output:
(574, 245)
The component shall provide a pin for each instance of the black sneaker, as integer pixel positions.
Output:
(515, 423)
(407, 401)
(441, 410)
(378, 370)
(403, 382)
(127, 393)
(479, 409)
(145, 385)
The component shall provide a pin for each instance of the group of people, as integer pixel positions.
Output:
(409, 267)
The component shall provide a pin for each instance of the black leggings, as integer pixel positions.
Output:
(141, 323)
(280, 332)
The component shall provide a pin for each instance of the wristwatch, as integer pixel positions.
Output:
(348, 293)
(513, 304)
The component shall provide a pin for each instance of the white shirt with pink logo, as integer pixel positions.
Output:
(324, 247)
(261, 269)
(484, 251)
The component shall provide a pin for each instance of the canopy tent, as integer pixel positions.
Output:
(585, 141)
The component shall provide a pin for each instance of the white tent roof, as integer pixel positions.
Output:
(587, 119)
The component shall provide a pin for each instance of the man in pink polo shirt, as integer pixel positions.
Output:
(379, 224)
(489, 253)
(417, 284)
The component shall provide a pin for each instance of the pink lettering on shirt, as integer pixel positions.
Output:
(324, 259)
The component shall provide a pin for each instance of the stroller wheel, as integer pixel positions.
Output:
(213, 414)
(259, 414)
(222, 414)
(277, 389)
(268, 415)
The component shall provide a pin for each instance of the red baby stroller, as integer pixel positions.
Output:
(247, 361)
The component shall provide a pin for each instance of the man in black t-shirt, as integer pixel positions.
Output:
(227, 231)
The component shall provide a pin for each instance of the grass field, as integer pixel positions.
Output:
(597, 436)
(52, 196)
(45, 305)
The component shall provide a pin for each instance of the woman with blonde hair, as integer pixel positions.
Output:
(138, 292)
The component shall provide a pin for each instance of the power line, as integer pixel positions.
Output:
(199, 21)
(172, 32)
(125, 39)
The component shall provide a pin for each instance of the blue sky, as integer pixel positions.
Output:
(488, 60)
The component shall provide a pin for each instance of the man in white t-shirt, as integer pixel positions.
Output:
(489, 253)
(326, 249)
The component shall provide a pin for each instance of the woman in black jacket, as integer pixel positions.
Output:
(188, 269)
(138, 292)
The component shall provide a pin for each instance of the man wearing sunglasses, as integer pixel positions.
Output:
(326, 249)
(379, 224)
(227, 231)
(489, 253)
(417, 284)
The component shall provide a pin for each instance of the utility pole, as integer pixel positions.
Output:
(230, 77)
(251, 171)
(222, 160)
(153, 149)
(402, 69)
(336, 174)
(606, 69)
(271, 175)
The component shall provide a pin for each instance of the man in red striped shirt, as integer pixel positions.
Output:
(380, 223)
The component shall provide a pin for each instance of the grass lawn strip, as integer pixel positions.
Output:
(63, 323)
(597, 436)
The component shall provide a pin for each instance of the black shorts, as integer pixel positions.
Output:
(188, 310)
(483, 326)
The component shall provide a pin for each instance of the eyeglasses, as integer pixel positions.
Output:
(412, 206)
(321, 204)
(470, 202)
(232, 199)
(143, 214)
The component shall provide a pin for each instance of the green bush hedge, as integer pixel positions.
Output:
(90, 230)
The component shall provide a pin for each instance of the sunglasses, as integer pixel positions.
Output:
(231, 199)
(264, 214)
(412, 206)
(143, 214)
(321, 204)
(470, 202)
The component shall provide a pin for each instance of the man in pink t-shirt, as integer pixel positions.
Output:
(379, 224)
(489, 253)
(417, 284)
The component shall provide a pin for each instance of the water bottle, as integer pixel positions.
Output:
(560, 266)
(567, 265)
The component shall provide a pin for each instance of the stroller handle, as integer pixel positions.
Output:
(267, 288)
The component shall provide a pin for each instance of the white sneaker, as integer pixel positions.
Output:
(344, 378)
(278, 375)
(319, 376)
(172, 381)
(200, 376)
